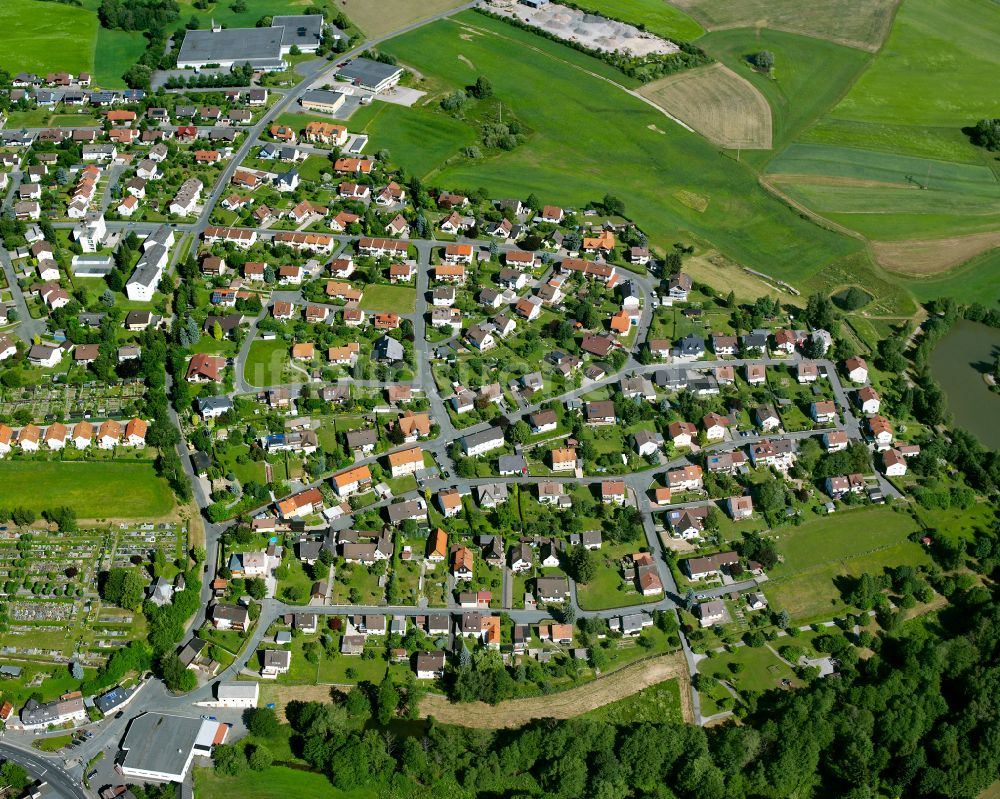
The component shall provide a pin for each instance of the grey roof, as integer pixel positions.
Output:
(692, 344)
(259, 46)
(237, 690)
(512, 463)
(366, 72)
(304, 30)
(114, 698)
(214, 403)
(321, 97)
(147, 270)
(399, 511)
(483, 436)
(362, 438)
(159, 742)
(388, 349)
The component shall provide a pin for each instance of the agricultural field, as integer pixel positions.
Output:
(381, 19)
(889, 160)
(855, 23)
(821, 550)
(719, 104)
(808, 78)
(654, 15)
(46, 37)
(933, 48)
(85, 486)
(974, 281)
(928, 257)
(653, 162)
(889, 196)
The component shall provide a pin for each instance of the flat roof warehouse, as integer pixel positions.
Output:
(262, 48)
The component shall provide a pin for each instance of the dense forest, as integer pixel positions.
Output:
(910, 713)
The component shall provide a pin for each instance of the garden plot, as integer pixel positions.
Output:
(74, 402)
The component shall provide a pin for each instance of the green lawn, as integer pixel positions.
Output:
(822, 549)
(46, 37)
(418, 139)
(654, 158)
(116, 52)
(383, 297)
(762, 669)
(277, 782)
(136, 490)
(655, 15)
(608, 589)
(265, 362)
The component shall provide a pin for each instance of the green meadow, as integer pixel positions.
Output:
(939, 67)
(588, 137)
(418, 139)
(810, 75)
(974, 281)
(890, 159)
(46, 37)
(95, 490)
(655, 15)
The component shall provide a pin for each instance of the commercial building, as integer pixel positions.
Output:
(161, 746)
(371, 75)
(262, 48)
(328, 102)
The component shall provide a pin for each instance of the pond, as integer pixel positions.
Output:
(958, 363)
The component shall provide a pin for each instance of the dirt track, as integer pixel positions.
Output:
(566, 704)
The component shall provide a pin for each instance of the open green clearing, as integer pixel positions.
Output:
(655, 15)
(265, 362)
(381, 297)
(820, 550)
(809, 75)
(277, 782)
(657, 704)
(46, 37)
(94, 489)
(653, 158)
(418, 140)
(762, 669)
(933, 49)
(858, 23)
(116, 52)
